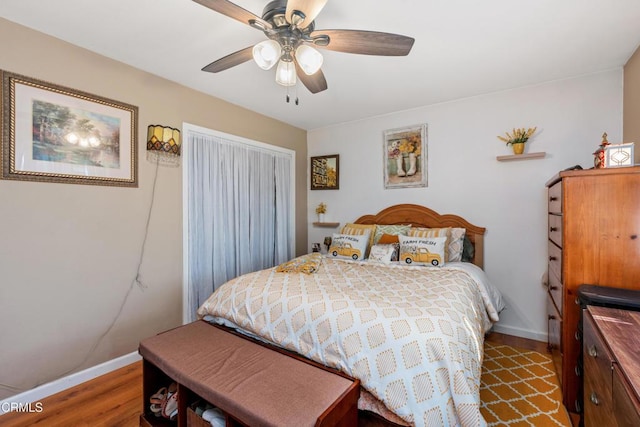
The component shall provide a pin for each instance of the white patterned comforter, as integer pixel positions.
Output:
(412, 335)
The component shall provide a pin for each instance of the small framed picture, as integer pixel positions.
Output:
(316, 247)
(618, 155)
(325, 172)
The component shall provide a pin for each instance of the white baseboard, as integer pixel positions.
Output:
(48, 389)
(523, 333)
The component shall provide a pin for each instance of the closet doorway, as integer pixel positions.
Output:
(238, 210)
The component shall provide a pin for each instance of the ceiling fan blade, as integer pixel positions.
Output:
(310, 8)
(231, 60)
(234, 11)
(315, 82)
(366, 42)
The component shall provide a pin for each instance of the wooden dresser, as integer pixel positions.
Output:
(611, 367)
(594, 238)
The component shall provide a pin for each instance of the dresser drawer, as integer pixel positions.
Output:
(598, 405)
(555, 229)
(555, 290)
(626, 407)
(554, 333)
(555, 260)
(555, 198)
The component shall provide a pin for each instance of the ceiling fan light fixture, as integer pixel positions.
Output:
(266, 54)
(286, 73)
(310, 59)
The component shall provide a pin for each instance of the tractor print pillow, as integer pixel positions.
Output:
(349, 246)
(422, 250)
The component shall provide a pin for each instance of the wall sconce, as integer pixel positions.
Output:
(618, 155)
(163, 145)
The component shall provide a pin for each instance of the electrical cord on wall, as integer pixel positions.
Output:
(137, 280)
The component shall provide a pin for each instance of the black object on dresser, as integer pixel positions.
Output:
(601, 296)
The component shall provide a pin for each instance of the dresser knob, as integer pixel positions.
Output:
(594, 399)
(553, 288)
(552, 229)
(593, 351)
(552, 258)
(551, 317)
(553, 198)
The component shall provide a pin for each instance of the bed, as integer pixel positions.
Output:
(413, 335)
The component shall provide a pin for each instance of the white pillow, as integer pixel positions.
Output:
(384, 253)
(349, 245)
(423, 250)
(455, 242)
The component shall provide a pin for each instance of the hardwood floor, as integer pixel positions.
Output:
(498, 338)
(115, 399)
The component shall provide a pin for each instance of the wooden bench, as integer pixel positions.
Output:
(252, 384)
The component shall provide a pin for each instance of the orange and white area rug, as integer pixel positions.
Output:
(520, 388)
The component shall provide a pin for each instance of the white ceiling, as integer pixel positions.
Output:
(463, 48)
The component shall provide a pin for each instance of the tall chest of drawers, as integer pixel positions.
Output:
(593, 238)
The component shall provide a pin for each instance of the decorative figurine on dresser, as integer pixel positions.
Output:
(594, 238)
(598, 161)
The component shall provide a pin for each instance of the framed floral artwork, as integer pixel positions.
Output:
(405, 157)
(52, 133)
(325, 172)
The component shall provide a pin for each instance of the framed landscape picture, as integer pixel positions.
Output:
(52, 133)
(325, 172)
(405, 157)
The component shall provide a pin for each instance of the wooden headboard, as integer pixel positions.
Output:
(419, 216)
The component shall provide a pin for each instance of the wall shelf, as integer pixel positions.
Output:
(326, 224)
(526, 156)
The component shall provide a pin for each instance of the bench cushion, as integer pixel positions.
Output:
(254, 384)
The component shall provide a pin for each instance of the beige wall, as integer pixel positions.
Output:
(631, 115)
(69, 252)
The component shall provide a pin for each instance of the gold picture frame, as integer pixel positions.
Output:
(52, 133)
(325, 172)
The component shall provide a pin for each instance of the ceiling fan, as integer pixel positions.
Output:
(292, 38)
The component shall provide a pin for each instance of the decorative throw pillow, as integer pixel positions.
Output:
(351, 246)
(433, 232)
(360, 229)
(423, 250)
(390, 229)
(387, 239)
(384, 253)
(468, 250)
(455, 244)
